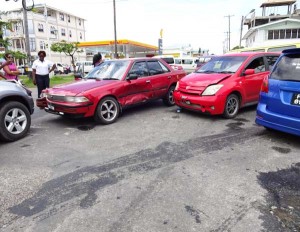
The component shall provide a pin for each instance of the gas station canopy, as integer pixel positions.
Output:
(126, 48)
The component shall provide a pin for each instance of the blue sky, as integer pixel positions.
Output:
(199, 23)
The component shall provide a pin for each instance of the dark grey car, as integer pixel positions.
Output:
(16, 106)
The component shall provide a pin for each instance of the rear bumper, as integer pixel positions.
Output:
(207, 104)
(277, 121)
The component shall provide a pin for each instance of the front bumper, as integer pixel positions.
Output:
(277, 121)
(207, 104)
(71, 109)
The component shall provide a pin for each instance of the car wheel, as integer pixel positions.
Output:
(169, 98)
(107, 111)
(232, 106)
(15, 121)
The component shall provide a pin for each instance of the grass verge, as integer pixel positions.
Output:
(55, 80)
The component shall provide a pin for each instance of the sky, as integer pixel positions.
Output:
(185, 23)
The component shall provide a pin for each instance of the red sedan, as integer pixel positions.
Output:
(111, 87)
(225, 84)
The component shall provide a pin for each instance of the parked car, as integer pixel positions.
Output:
(111, 87)
(225, 84)
(203, 60)
(16, 106)
(84, 67)
(189, 64)
(59, 68)
(279, 102)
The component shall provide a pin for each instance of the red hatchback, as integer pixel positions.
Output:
(225, 84)
(111, 87)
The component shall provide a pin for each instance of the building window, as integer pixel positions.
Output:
(62, 16)
(40, 27)
(18, 44)
(42, 45)
(70, 33)
(80, 35)
(32, 44)
(63, 32)
(79, 22)
(52, 30)
(69, 19)
(284, 34)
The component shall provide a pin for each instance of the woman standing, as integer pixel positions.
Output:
(10, 69)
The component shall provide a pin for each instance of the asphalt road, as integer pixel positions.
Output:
(153, 170)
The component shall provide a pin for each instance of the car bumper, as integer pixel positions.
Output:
(276, 121)
(206, 104)
(75, 110)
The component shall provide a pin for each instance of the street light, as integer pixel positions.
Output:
(242, 24)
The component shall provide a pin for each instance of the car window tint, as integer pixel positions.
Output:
(140, 69)
(271, 61)
(154, 68)
(258, 65)
(288, 68)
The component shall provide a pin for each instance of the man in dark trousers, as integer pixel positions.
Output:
(40, 72)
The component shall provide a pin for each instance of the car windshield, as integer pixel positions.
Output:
(109, 70)
(288, 68)
(222, 64)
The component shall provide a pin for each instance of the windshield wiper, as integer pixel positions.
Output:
(110, 78)
(226, 72)
(205, 71)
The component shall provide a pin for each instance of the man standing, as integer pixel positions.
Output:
(40, 72)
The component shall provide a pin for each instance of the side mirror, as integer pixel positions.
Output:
(78, 76)
(249, 72)
(132, 76)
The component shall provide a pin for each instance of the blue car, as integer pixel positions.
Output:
(279, 103)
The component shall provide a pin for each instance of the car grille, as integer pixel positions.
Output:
(56, 97)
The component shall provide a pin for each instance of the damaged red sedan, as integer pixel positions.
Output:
(111, 87)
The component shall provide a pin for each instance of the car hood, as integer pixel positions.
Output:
(79, 86)
(204, 79)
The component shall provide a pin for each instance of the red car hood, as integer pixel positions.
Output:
(79, 86)
(204, 79)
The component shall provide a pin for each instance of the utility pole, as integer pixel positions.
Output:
(115, 30)
(27, 46)
(229, 16)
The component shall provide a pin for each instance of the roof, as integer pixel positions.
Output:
(131, 46)
(268, 3)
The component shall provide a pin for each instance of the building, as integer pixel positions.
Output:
(275, 26)
(46, 25)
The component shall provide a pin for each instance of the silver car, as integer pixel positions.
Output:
(16, 107)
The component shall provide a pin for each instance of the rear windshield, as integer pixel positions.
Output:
(287, 68)
(168, 60)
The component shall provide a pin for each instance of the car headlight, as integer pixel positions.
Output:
(43, 94)
(78, 99)
(211, 90)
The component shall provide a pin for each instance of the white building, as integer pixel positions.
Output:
(46, 25)
(278, 24)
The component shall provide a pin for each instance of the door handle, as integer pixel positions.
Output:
(148, 81)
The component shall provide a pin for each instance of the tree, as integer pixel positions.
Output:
(237, 47)
(68, 48)
(4, 42)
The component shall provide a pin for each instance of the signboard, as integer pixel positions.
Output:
(160, 46)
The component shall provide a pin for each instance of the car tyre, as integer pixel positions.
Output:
(232, 106)
(107, 111)
(169, 97)
(15, 121)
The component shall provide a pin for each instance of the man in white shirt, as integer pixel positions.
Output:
(40, 72)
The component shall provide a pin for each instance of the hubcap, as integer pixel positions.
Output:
(171, 99)
(109, 110)
(232, 106)
(15, 121)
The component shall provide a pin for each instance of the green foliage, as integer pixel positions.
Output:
(55, 80)
(68, 48)
(237, 47)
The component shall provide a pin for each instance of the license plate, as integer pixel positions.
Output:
(296, 99)
(51, 107)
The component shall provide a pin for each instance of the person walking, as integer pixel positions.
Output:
(40, 72)
(10, 68)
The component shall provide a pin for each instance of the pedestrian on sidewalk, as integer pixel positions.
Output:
(10, 69)
(40, 72)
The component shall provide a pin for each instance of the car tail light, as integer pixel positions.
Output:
(265, 85)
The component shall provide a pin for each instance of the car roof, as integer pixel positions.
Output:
(250, 53)
(292, 51)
